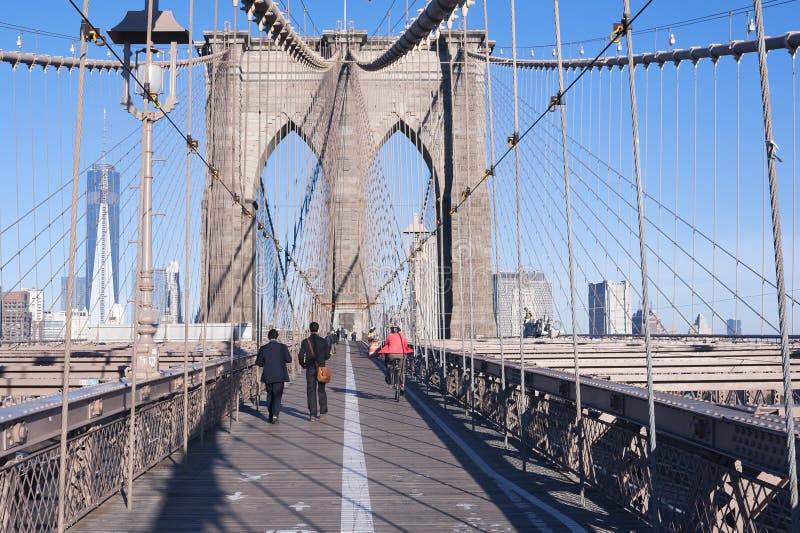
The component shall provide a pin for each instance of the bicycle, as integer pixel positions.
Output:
(395, 378)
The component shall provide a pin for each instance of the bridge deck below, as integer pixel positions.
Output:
(407, 466)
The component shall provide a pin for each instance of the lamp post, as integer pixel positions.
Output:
(149, 27)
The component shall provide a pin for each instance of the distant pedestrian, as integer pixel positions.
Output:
(331, 339)
(314, 351)
(273, 357)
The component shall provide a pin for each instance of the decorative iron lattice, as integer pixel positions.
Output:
(698, 490)
(97, 454)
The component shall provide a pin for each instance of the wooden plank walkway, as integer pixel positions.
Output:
(681, 365)
(405, 467)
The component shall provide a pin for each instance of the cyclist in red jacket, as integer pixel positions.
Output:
(394, 349)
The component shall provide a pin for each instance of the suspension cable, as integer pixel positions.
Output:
(186, 248)
(771, 155)
(651, 416)
(573, 296)
(516, 140)
(76, 155)
(523, 397)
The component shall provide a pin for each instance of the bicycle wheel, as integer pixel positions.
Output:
(396, 382)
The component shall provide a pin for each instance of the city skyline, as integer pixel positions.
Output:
(677, 313)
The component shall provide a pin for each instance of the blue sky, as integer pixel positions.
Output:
(583, 24)
(582, 20)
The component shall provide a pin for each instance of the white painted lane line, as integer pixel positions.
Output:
(356, 505)
(512, 491)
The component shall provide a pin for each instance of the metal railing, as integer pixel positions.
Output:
(718, 469)
(98, 447)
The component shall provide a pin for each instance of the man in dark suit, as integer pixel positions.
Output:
(272, 357)
(314, 351)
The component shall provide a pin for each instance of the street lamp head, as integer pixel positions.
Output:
(133, 28)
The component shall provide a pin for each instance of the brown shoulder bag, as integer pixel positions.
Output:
(323, 372)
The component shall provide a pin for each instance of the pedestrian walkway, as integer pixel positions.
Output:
(371, 465)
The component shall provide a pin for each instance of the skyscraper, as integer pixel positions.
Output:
(79, 293)
(734, 326)
(610, 308)
(700, 326)
(537, 296)
(36, 308)
(172, 292)
(656, 326)
(102, 240)
(159, 296)
(16, 316)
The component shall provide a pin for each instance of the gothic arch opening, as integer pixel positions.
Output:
(292, 223)
(403, 190)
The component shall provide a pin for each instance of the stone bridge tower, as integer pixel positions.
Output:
(345, 115)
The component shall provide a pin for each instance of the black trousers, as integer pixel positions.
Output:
(274, 398)
(314, 391)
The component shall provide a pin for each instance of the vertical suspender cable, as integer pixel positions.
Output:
(660, 182)
(794, 181)
(651, 417)
(452, 231)
(76, 157)
(677, 183)
(262, 200)
(16, 172)
(771, 149)
(714, 213)
(440, 241)
(232, 45)
(188, 236)
(423, 202)
(467, 117)
(486, 52)
(738, 188)
(35, 335)
(694, 179)
(522, 407)
(213, 69)
(568, 207)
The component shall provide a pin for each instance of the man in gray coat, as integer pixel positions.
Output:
(272, 358)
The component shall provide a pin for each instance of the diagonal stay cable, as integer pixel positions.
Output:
(185, 136)
(385, 14)
(513, 142)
